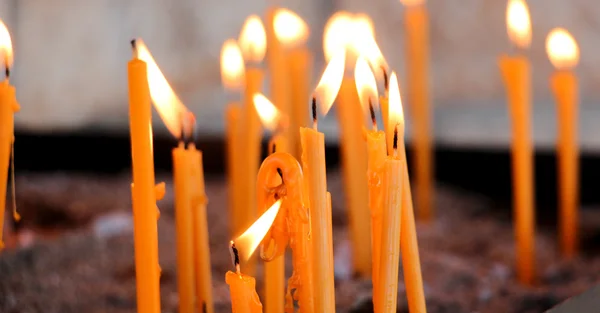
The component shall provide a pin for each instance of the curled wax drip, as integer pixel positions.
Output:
(16, 215)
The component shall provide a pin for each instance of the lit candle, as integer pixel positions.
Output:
(292, 33)
(516, 74)
(190, 201)
(274, 270)
(353, 149)
(232, 77)
(145, 212)
(253, 45)
(8, 107)
(564, 55)
(313, 163)
(242, 287)
(280, 177)
(376, 146)
(417, 70)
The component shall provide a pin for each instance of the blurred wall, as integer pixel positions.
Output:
(71, 58)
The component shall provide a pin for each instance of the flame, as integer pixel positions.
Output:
(365, 83)
(396, 114)
(253, 40)
(6, 49)
(268, 113)
(410, 3)
(518, 23)
(336, 36)
(168, 105)
(363, 21)
(251, 238)
(330, 82)
(562, 49)
(232, 65)
(290, 29)
(364, 43)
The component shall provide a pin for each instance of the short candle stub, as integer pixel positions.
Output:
(235, 257)
(372, 111)
(314, 111)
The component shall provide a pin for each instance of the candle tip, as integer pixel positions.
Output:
(395, 141)
(314, 109)
(386, 82)
(132, 42)
(235, 256)
(372, 111)
(7, 72)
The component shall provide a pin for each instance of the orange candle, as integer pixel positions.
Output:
(8, 107)
(280, 177)
(292, 33)
(244, 298)
(417, 71)
(564, 55)
(232, 77)
(313, 163)
(143, 191)
(516, 74)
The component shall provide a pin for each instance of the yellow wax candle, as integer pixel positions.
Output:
(143, 191)
(292, 33)
(564, 55)
(232, 77)
(8, 107)
(244, 298)
(417, 70)
(411, 264)
(202, 266)
(253, 45)
(516, 74)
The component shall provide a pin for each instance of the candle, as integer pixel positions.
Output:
(280, 177)
(274, 271)
(411, 264)
(417, 72)
(8, 107)
(564, 55)
(193, 268)
(313, 163)
(252, 43)
(242, 287)
(353, 149)
(376, 146)
(516, 74)
(292, 33)
(232, 77)
(145, 234)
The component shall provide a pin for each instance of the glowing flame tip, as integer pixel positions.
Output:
(251, 238)
(562, 49)
(518, 23)
(6, 48)
(253, 39)
(290, 29)
(330, 82)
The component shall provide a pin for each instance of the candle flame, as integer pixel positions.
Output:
(365, 84)
(6, 49)
(410, 3)
(396, 114)
(267, 112)
(330, 82)
(518, 23)
(364, 43)
(169, 107)
(290, 29)
(232, 65)
(562, 49)
(337, 34)
(253, 40)
(251, 238)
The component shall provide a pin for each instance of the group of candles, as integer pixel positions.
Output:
(290, 196)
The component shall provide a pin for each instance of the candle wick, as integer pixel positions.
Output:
(235, 257)
(314, 112)
(372, 111)
(386, 83)
(133, 43)
(6, 70)
(395, 140)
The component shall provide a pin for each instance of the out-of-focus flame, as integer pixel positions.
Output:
(518, 23)
(562, 49)
(251, 238)
(268, 113)
(365, 45)
(396, 114)
(168, 105)
(253, 40)
(365, 84)
(232, 65)
(290, 29)
(409, 3)
(337, 34)
(6, 49)
(330, 82)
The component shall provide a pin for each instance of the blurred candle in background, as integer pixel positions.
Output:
(292, 33)
(232, 77)
(563, 53)
(8, 107)
(416, 21)
(516, 74)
